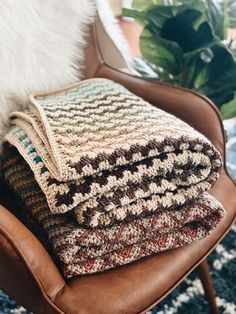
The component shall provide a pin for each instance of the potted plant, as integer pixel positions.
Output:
(184, 42)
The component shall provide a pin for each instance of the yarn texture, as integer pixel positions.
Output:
(108, 156)
(83, 251)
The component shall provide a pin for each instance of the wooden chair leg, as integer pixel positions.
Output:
(206, 280)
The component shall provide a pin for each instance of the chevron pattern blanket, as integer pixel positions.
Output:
(109, 156)
(108, 177)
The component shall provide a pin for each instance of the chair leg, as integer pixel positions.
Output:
(206, 280)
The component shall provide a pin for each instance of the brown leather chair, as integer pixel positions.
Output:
(27, 272)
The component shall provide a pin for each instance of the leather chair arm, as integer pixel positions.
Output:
(189, 106)
(21, 260)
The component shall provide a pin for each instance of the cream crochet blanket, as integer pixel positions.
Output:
(101, 151)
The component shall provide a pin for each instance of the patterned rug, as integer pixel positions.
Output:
(189, 296)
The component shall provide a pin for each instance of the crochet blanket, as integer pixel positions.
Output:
(82, 250)
(101, 151)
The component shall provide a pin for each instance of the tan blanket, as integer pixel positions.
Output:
(99, 150)
(82, 250)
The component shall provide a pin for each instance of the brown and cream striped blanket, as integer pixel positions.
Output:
(108, 156)
(83, 250)
(108, 177)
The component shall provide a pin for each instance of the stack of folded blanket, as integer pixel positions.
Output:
(110, 178)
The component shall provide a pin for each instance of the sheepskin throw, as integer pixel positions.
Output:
(41, 47)
(82, 250)
(101, 151)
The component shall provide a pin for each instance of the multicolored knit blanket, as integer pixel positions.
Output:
(101, 151)
(82, 250)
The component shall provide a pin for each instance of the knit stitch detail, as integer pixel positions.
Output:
(101, 151)
(82, 250)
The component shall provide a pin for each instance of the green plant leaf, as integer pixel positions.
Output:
(232, 13)
(222, 63)
(205, 53)
(229, 110)
(163, 53)
(222, 88)
(182, 43)
(141, 5)
(217, 81)
(158, 15)
(139, 16)
(180, 29)
(198, 5)
(200, 77)
(196, 66)
(216, 16)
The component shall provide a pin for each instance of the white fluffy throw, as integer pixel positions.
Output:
(41, 47)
